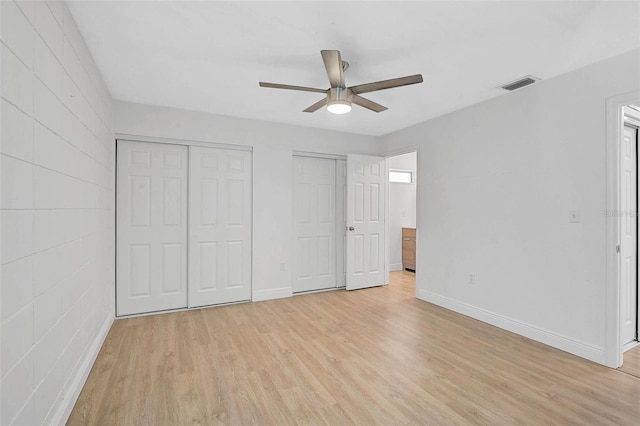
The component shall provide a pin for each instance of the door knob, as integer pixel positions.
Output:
(351, 228)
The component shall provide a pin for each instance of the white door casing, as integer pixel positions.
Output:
(314, 217)
(151, 227)
(628, 271)
(219, 226)
(366, 179)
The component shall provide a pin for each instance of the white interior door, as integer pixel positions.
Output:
(365, 221)
(314, 218)
(219, 226)
(151, 227)
(628, 271)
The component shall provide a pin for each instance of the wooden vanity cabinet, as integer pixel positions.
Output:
(409, 248)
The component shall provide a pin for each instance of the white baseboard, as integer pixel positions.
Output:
(275, 293)
(590, 352)
(70, 397)
(395, 266)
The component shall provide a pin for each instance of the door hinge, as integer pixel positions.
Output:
(618, 248)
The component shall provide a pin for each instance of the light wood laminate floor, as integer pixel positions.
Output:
(374, 356)
(631, 362)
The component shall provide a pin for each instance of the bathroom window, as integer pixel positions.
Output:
(401, 176)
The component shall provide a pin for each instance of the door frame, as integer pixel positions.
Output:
(613, 352)
(188, 142)
(340, 211)
(633, 121)
(185, 142)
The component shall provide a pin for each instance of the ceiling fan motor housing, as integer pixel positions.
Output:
(339, 94)
(339, 100)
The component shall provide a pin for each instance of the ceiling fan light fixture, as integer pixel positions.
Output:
(339, 97)
(339, 107)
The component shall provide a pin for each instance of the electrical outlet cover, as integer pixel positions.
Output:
(574, 216)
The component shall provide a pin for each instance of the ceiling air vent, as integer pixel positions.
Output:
(521, 82)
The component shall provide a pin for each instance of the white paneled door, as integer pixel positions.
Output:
(365, 258)
(628, 224)
(314, 218)
(219, 226)
(151, 227)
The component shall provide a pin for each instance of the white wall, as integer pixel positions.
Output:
(402, 207)
(57, 156)
(273, 146)
(496, 182)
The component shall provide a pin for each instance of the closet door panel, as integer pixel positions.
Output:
(314, 218)
(151, 227)
(219, 226)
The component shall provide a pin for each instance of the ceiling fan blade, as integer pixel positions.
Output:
(366, 103)
(333, 65)
(386, 84)
(290, 87)
(317, 105)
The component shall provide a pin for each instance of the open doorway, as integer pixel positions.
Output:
(402, 212)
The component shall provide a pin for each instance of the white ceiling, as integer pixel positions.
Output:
(209, 56)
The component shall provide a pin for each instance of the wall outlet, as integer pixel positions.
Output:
(472, 278)
(574, 216)
(283, 266)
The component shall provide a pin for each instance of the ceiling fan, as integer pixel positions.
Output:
(339, 97)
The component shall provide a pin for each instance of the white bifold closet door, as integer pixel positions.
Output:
(219, 226)
(183, 227)
(151, 227)
(314, 216)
